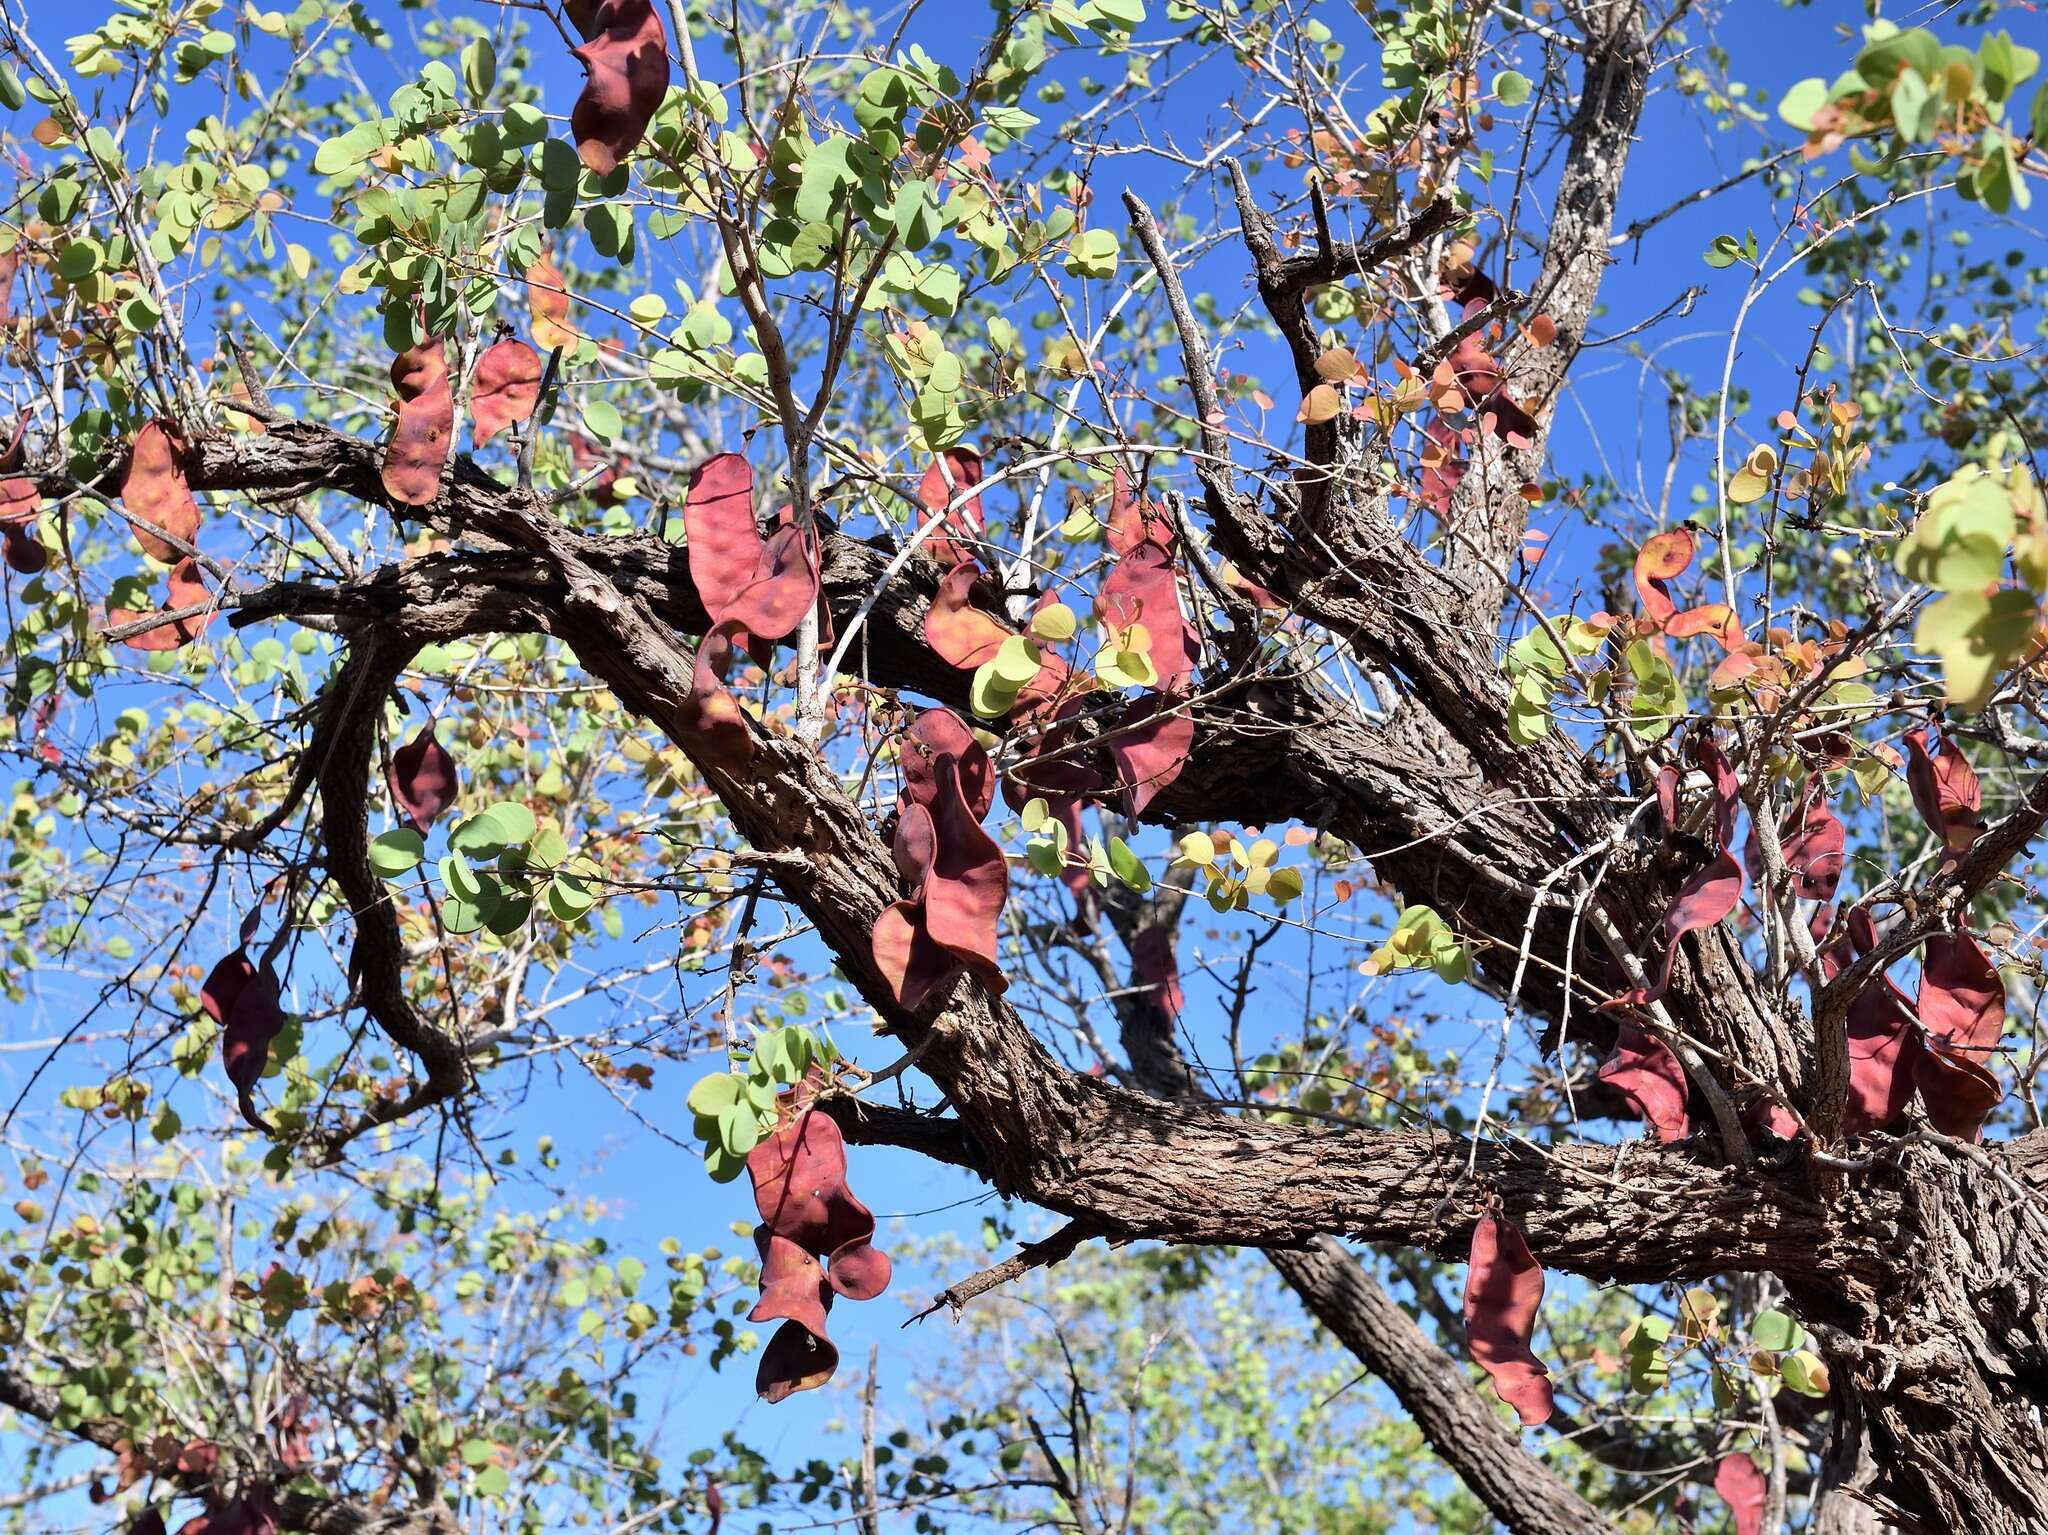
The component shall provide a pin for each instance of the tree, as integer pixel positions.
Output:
(1154, 423)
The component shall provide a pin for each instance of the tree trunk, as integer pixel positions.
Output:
(1948, 1372)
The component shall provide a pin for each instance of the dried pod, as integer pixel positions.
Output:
(626, 55)
(418, 449)
(507, 388)
(155, 493)
(422, 778)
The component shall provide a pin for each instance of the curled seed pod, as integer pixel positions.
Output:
(422, 779)
(955, 471)
(186, 591)
(1644, 1070)
(1503, 1290)
(1151, 745)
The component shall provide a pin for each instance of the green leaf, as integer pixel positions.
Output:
(1511, 87)
(1798, 105)
(1092, 253)
(1128, 866)
(1805, 1373)
(1977, 637)
(395, 853)
(1776, 1332)
(714, 1094)
(479, 68)
(460, 879)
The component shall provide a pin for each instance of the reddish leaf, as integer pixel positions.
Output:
(956, 470)
(1143, 590)
(548, 297)
(1743, 1489)
(1150, 744)
(507, 388)
(1962, 999)
(714, 1504)
(154, 491)
(1443, 464)
(418, 449)
(186, 590)
(10, 263)
(1713, 618)
(1503, 1289)
(422, 778)
(1662, 558)
(1646, 1072)
(626, 56)
(148, 1522)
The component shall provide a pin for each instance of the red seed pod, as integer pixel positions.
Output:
(507, 388)
(186, 590)
(418, 449)
(1503, 1290)
(626, 56)
(422, 779)
(154, 492)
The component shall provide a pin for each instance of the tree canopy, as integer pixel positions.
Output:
(1349, 703)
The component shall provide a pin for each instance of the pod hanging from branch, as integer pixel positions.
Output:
(418, 449)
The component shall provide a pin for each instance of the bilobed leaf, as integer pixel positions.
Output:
(396, 852)
(1776, 1332)
(1977, 638)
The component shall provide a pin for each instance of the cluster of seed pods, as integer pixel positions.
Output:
(816, 1242)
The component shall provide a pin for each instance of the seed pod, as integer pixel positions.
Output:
(154, 491)
(418, 449)
(422, 778)
(626, 56)
(507, 388)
